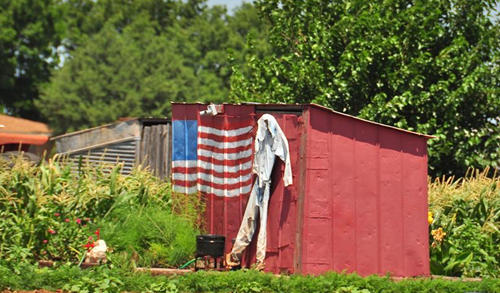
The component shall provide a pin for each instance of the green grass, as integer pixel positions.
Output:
(105, 279)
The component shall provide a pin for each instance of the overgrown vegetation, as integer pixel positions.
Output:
(106, 279)
(465, 229)
(49, 213)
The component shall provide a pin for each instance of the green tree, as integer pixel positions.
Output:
(30, 33)
(114, 75)
(214, 42)
(429, 66)
(137, 68)
(87, 17)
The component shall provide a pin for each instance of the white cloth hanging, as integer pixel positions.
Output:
(270, 142)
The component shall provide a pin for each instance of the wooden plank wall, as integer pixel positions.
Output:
(155, 151)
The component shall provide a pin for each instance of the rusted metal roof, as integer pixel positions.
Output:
(11, 124)
(290, 108)
(19, 130)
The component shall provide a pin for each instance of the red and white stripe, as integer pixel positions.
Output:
(224, 165)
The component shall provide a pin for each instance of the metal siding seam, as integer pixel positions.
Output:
(355, 195)
(331, 166)
(282, 194)
(401, 192)
(301, 191)
(379, 228)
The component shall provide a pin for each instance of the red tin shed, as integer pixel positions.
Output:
(358, 202)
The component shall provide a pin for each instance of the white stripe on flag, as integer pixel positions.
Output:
(185, 164)
(211, 178)
(221, 192)
(224, 145)
(185, 189)
(184, 176)
(226, 156)
(223, 168)
(226, 133)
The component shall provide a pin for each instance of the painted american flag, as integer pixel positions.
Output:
(213, 155)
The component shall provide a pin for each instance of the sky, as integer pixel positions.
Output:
(230, 4)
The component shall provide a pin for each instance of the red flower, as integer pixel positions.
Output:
(57, 214)
(78, 221)
(45, 241)
(89, 245)
(66, 220)
(98, 233)
(51, 231)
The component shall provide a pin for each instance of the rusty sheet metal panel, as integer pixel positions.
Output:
(224, 214)
(97, 136)
(118, 152)
(282, 216)
(366, 198)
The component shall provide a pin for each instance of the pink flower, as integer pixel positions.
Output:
(45, 241)
(91, 238)
(78, 221)
(51, 231)
(66, 220)
(57, 214)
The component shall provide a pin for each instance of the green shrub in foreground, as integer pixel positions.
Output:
(465, 232)
(105, 279)
(48, 212)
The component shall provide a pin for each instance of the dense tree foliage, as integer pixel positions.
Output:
(429, 66)
(30, 33)
(134, 58)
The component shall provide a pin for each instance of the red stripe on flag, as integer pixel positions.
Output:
(219, 138)
(224, 151)
(222, 124)
(195, 170)
(214, 185)
(236, 162)
(184, 183)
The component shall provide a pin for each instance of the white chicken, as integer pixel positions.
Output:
(98, 253)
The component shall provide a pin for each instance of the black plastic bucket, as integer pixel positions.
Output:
(210, 245)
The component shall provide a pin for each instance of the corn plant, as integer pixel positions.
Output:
(48, 211)
(465, 228)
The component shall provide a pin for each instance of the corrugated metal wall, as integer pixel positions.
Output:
(146, 141)
(122, 151)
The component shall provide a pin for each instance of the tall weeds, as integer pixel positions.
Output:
(48, 212)
(465, 228)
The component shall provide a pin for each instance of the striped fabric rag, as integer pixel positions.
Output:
(212, 155)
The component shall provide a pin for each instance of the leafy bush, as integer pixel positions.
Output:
(465, 234)
(159, 239)
(105, 279)
(49, 212)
